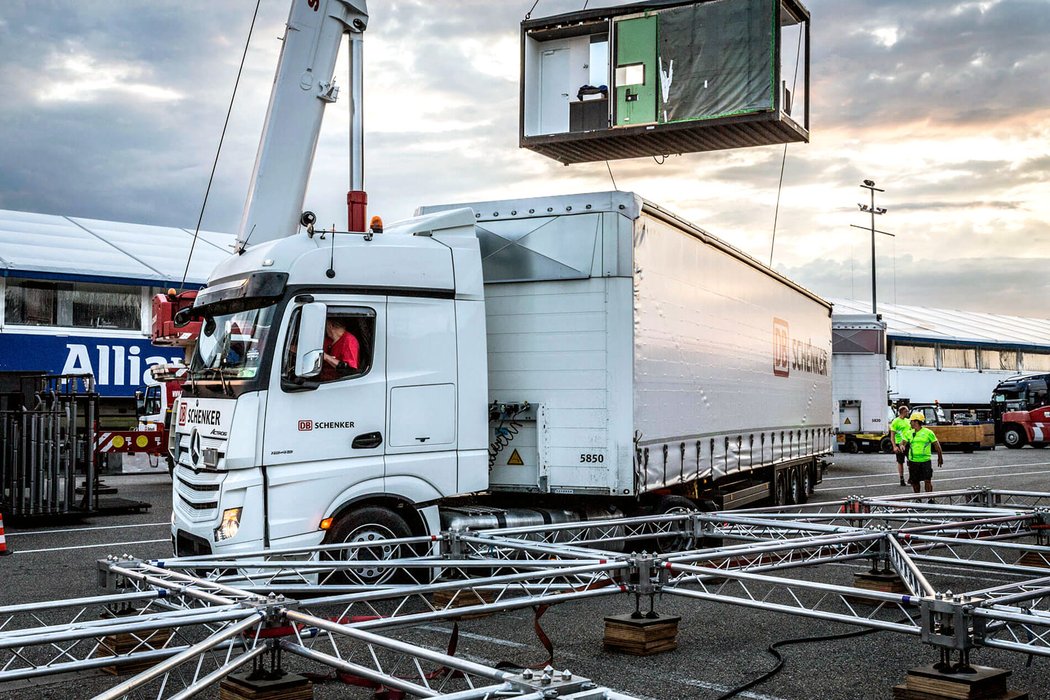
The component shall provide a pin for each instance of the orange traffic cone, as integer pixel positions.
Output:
(3, 538)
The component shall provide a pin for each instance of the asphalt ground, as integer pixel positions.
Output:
(719, 646)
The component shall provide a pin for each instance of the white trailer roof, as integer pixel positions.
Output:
(89, 249)
(952, 326)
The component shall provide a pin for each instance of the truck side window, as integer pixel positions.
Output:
(349, 344)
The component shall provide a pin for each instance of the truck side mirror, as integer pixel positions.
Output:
(309, 355)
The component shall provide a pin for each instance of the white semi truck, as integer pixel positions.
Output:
(523, 361)
(556, 359)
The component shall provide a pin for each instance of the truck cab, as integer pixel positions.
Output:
(263, 431)
(1021, 411)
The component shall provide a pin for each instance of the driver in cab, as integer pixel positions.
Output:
(341, 350)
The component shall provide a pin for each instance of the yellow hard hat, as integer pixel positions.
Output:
(919, 416)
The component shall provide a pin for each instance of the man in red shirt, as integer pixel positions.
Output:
(341, 351)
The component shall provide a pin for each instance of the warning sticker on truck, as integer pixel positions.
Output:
(515, 460)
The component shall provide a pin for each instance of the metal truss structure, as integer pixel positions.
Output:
(171, 628)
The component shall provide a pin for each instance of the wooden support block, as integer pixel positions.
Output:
(927, 683)
(126, 643)
(641, 636)
(884, 583)
(237, 686)
(443, 600)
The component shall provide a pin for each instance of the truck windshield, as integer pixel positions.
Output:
(231, 346)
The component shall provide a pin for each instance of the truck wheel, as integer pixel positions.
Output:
(1014, 438)
(851, 447)
(806, 485)
(779, 490)
(369, 524)
(671, 505)
(1038, 445)
(794, 487)
(886, 445)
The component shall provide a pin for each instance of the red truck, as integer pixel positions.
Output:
(1021, 409)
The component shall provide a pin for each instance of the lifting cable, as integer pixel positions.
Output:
(783, 158)
(215, 163)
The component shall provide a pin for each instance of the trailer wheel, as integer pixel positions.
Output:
(671, 505)
(364, 525)
(1038, 445)
(1014, 438)
(794, 487)
(779, 490)
(806, 479)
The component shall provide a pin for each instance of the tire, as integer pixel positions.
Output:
(794, 487)
(807, 482)
(1038, 445)
(851, 447)
(370, 523)
(1014, 438)
(886, 445)
(677, 543)
(779, 488)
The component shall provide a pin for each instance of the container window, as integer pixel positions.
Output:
(958, 358)
(999, 360)
(106, 306)
(915, 356)
(31, 303)
(1035, 362)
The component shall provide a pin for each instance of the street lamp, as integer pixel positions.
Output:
(873, 210)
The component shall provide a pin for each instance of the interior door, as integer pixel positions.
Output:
(554, 91)
(325, 436)
(635, 77)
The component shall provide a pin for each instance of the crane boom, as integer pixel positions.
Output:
(302, 87)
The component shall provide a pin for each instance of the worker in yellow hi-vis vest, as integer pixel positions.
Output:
(921, 442)
(897, 427)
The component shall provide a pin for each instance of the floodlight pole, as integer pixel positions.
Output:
(870, 186)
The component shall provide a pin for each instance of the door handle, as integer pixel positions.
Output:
(367, 441)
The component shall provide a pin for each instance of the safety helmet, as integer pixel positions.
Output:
(919, 416)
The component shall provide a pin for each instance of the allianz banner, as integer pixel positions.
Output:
(120, 365)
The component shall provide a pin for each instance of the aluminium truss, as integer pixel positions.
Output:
(177, 626)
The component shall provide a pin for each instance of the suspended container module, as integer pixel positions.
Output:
(664, 77)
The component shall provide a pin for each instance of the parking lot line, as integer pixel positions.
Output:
(935, 480)
(946, 471)
(91, 528)
(88, 546)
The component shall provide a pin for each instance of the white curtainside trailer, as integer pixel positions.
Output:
(631, 353)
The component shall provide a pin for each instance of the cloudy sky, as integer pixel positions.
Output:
(113, 109)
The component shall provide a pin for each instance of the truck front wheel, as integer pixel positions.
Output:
(1014, 438)
(362, 526)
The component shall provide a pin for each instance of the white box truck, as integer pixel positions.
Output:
(859, 366)
(521, 361)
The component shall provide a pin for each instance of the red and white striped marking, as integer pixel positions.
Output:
(3, 537)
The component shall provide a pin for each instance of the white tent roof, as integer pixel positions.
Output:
(947, 325)
(75, 248)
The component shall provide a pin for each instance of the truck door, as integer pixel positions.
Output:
(324, 436)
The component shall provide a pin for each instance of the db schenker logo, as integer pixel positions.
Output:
(306, 425)
(781, 348)
(182, 414)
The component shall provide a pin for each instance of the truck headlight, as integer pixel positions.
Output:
(231, 523)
